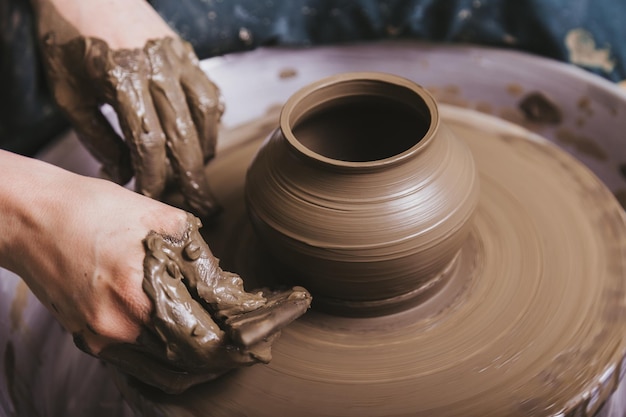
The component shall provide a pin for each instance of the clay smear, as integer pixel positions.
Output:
(204, 323)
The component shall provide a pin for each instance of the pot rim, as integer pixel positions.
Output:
(291, 105)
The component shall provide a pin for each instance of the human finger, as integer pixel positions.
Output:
(189, 338)
(81, 107)
(203, 99)
(247, 318)
(182, 323)
(185, 152)
(139, 121)
(99, 138)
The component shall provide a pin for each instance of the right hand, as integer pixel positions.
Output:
(131, 278)
(169, 111)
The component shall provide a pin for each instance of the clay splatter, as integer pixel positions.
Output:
(538, 108)
(584, 104)
(515, 90)
(287, 73)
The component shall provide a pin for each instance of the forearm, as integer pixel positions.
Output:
(71, 237)
(123, 24)
(30, 194)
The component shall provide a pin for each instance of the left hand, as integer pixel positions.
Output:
(132, 278)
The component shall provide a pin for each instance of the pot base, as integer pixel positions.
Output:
(534, 324)
(444, 284)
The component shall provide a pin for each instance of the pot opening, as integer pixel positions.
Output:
(361, 120)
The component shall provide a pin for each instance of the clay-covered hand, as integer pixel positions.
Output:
(167, 108)
(132, 279)
(204, 323)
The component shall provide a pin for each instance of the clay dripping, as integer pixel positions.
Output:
(349, 207)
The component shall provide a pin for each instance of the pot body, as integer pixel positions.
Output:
(362, 192)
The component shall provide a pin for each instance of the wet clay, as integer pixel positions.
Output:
(534, 324)
(538, 108)
(204, 323)
(361, 179)
(167, 108)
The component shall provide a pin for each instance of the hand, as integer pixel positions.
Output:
(168, 109)
(132, 279)
(203, 322)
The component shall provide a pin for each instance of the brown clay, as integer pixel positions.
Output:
(203, 323)
(531, 322)
(363, 185)
(538, 108)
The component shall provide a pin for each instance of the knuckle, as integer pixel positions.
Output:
(152, 141)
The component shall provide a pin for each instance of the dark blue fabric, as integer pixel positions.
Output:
(216, 27)
(536, 26)
(28, 116)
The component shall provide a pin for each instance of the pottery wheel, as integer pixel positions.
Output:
(532, 323)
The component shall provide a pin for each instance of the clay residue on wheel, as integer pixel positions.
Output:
(287, 72)
(584, 105)
(204, 323)
(539, 108)
(449, 94)
(581, 143)
(514, 89)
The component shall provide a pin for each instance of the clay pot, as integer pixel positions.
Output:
(362, 192)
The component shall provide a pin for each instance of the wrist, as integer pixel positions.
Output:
(123, 24)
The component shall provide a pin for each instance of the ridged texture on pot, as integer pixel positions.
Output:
(364, 231)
